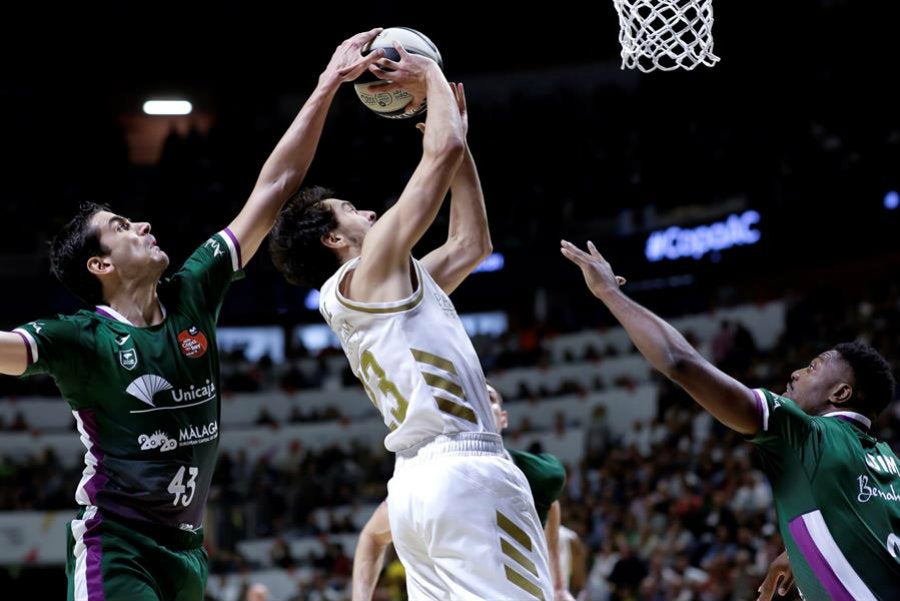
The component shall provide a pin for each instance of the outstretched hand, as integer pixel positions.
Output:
(347, 63)
(598, 273)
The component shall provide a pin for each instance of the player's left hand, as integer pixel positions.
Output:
(347, 63)
(779, 575)
(598, 273)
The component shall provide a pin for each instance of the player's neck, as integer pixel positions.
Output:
(850, 415)
(348, 254)
(140, 305)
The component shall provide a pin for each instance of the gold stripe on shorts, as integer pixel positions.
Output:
(518, 557)
(519, 535)
(523, 583)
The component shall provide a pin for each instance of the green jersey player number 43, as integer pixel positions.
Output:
(140, 371)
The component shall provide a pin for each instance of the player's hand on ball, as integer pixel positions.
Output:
(598, 273)
(347, 62)
(409, 73)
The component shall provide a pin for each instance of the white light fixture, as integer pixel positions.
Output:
(167, 107)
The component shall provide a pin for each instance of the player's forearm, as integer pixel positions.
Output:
(284, 171)
(367, 563)
(669, 352)
(662, 345)
(13, 354)
(444, 138)
(468, 217)
(290, 160)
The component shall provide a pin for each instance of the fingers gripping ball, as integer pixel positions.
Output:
(392, 103)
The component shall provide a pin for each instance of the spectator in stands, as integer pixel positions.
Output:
(258, 592)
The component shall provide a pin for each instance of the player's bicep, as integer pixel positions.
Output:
(726, 399)
(448, 267)
(15, 350)
(47, 345)
(387, 245)
(253, 223)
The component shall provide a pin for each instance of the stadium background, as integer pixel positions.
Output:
(797, 123)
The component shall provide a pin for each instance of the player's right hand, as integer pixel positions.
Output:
(598, 274)
(410, 73)
(780, 575)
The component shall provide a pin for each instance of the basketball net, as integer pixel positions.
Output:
(665, 34)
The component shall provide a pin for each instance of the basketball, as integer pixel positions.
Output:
(392, 104)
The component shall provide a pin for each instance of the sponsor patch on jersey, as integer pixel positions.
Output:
(192, 342)
(128, 358)
(158, 440)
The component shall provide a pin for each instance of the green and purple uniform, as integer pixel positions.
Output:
(837, 494)
(546, 477)
(146, 401)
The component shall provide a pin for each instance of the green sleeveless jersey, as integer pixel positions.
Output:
(146, 400)
(546, 477)
(837, 494)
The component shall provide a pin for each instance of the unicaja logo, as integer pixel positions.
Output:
(146, 387)
(193, 393)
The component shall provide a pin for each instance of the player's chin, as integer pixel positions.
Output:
(160, 258)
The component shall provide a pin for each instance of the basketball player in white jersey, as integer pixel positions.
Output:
(463, 522)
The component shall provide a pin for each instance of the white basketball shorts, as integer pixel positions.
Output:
(464, 524)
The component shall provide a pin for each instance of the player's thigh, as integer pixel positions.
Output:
(485, 538)
(194, 569)
(100, 567)
(422, 580)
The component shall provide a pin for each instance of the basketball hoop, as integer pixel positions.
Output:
(665, 34)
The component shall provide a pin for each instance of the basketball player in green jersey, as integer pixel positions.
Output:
(836, 487)
(140, 371)
(546, 478)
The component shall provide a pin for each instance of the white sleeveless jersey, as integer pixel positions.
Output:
(414, 359)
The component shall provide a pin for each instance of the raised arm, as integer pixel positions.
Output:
(13, 354)
(383, 271)
(666, 349)
(286, 167)
(469, 239)
(369, 556)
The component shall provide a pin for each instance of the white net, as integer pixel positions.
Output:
(665, 34)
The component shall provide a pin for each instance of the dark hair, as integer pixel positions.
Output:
(296, 240)
(70, 250)
(874, 382)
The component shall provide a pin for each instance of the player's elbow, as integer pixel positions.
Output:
(449, 150)
(479, 249)
(679, 364)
